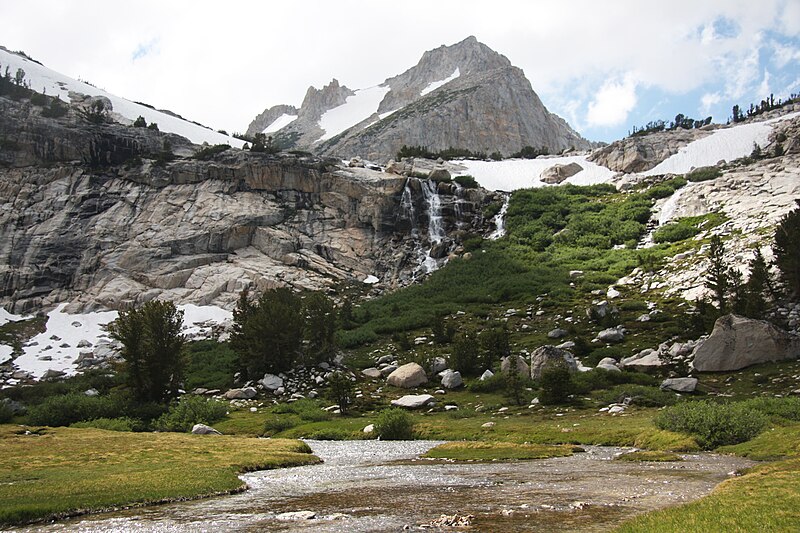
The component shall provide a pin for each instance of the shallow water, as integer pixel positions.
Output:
(381, 486)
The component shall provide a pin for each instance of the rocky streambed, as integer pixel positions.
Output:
(383, 486)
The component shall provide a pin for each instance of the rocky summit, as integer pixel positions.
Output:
(465, 96)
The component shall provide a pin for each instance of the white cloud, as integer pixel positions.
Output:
(708, 101)
(612, 103)
(763, 89)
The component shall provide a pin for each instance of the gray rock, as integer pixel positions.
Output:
(202, 429)
(486, 375)
(550, 355)
(737, 342)
(644, 361)
(556, 333)
(271, 382)
(611, 335)
(407, 376)
(610, 368)
(373, 373)
(296, 516)
(438, 364)
(607, 361)
(679, 384)
(91, 392)
(53, 374)
(451, 379)
(384, 359)
(558, 173)
(387, 370)
(83, 343)
(246, 393)
(413, 401)
(514, 361)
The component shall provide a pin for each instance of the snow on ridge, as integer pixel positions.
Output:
(513, 174)
(56, 84)
(725, 144)
(280, 122)
(436, 84)
(357, 108)
(69, 329)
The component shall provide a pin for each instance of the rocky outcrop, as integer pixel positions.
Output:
(558, 173)
(464, 95)
(413, 401)
(641, 153)
(95, 215)
(545, 356)
(679, 384)
(737, 342)
(268, 117)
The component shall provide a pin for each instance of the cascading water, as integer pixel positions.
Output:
(500, 219)
(435, 225)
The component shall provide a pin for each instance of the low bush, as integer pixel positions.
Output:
(786, 408)
(466, 181)
(188, 411)
(277, 423)
(210, 364)
(113, 424)
(355, 337)
(329, 434)
(394, 424)
(308, 410)
(713, 424)
(208, 152)
(6, 414)
(74, 407)
(492, 384)
(703, 174)
(599, 378)
(557, 385)
(674, 232)
(640, 395)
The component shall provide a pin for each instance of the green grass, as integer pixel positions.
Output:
(765, 499)
(779, 442)
(496, 451)
(650, 455)
(65, 471)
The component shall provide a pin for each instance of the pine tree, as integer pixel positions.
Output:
(787, 251)
(758, 284)
(320, 327)
(718, 278)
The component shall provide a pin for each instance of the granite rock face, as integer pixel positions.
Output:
(96, 215)
(641, 153)
(464, 95)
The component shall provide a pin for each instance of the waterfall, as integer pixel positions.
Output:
(407, 206)
(435, 227)
(500, 220)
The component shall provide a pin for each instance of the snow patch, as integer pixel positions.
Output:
(371, 280)
(280, 122)
(436, 84)
(69, 329)
(513, 174)
(724, 144)
(6, 317)
(357, 108)
(53, 83)
(5, 353)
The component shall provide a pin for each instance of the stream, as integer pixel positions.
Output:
(382, 486)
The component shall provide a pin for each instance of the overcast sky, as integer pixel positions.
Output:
(602, 65)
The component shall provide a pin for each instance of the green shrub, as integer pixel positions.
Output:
(188, 411)
(306, 409)
(394, 424)
(208, 152)
(112, 424)
(787, 408)
(276, 424)
(674, 232)
(493, 384)
(355, 337)
(74, 407)
(703, 174)
(599, 378)
(466, 181)
(641, 395)
(210, 364)
(713, 424)
(38, 99)
(557, 384)
(6, 414)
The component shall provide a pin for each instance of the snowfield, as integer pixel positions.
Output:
(436, 84)
(356, 108)
(280, 122)
(724, 144)
(57, 348)
(513, 174)
(53, 83)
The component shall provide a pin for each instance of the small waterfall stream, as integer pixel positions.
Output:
(500, 219)
(436, 232)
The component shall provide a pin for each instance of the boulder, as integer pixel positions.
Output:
(607, 361)
(246, 393)
(558, 173)
(388, 369)
(610, 368)
(438, 364)
(737, 342)
(507, 362)
(550, 355)
(271, 382)
(413, 401)
(369, 428)
(679, 384)
(451, 379)
(53, 374)
(296, 515)
(373, 373)
(202, 429)
(407, 376)
(556, 333)
(611, 335)
(486, 375)
(644, 361)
